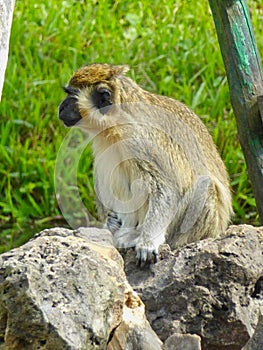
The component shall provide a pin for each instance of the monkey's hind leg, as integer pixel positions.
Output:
(203, 215)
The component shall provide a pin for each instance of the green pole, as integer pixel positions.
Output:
(245, 80)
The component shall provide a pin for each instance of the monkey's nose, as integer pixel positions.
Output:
(68, 111)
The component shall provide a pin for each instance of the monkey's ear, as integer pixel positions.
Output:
(121, 70)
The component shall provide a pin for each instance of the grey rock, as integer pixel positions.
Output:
(66, 289)
(134, 332)
(211, 288)
(256, 342)
(183, 342)
(61, 291)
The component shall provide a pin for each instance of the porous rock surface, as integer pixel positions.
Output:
(134, 332)
(62, 290)
(179, 341)
(212, 288)
(68, 289)
(256, 342)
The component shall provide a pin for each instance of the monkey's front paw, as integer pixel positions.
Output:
(113, 222)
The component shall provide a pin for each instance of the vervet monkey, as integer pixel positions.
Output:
(158, 175)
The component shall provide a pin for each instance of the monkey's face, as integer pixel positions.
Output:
(91, 94)
(90, 103)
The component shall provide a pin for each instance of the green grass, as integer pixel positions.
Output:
(171, 48)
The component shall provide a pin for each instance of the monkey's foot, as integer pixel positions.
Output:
(147, 249)
(146, 256)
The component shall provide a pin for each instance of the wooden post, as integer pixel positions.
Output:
(245, 80)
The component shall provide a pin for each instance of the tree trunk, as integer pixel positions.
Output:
(245, 79)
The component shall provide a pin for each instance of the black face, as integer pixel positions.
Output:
(68, 110)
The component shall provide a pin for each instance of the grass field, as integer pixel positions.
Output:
(172, 49)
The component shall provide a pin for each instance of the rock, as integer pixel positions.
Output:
(67, 289)
(134, 332)
(256, 342)
(183, 342)
(63, 290)
(211, 288)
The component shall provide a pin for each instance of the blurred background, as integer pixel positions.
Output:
(171, 48)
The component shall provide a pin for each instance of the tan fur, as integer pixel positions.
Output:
(164, 144)
(96, 73)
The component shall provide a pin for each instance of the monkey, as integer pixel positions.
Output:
(158, 175)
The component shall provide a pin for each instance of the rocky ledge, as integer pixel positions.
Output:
(71, 289)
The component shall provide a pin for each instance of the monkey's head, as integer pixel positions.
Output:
(92, 92)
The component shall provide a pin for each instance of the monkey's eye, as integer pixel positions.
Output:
(70, 90)
(102, 98)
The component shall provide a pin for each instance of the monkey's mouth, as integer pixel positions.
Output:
(70, 122)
